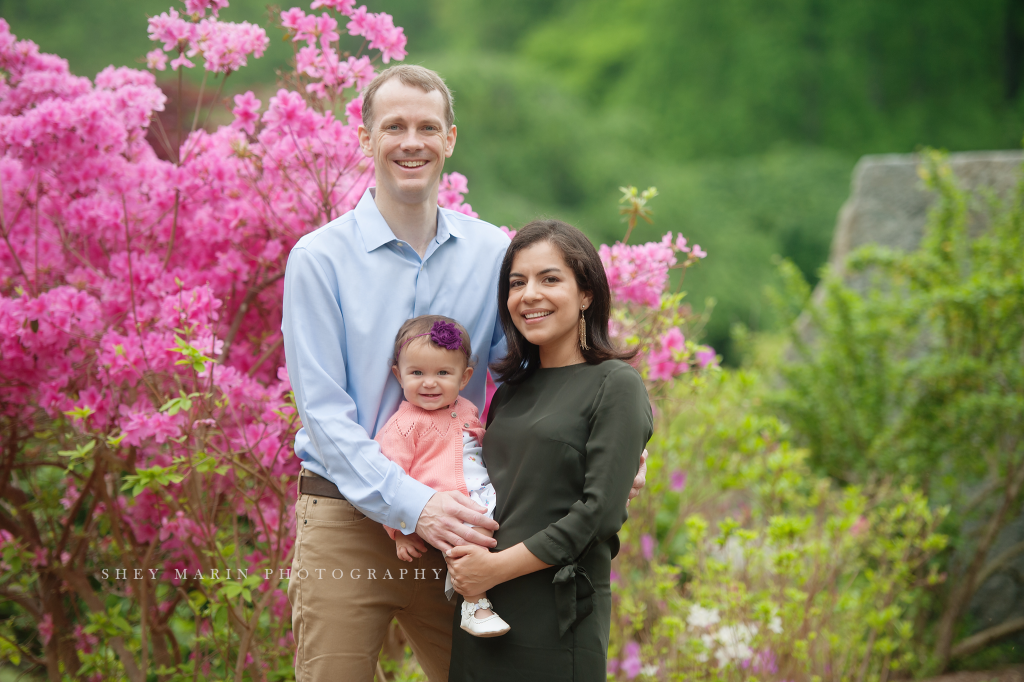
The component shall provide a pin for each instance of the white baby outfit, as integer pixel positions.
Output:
(478, 483)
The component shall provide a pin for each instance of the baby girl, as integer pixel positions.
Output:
(436, 436)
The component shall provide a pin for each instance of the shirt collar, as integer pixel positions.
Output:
(376, 233)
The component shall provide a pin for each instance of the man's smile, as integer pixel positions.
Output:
(411, 163)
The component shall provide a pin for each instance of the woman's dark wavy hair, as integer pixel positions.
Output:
(523, 357)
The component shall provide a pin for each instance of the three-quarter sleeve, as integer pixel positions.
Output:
(621, 423)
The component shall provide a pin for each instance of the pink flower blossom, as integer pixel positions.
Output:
(181, 60)
(46, 629)
(362, 71)
(647, 546)
(342, 6)
(246, 112)
(288, 110)
(359, 21)
(326, 30)
(666, 361)
(354, 112)
(677, 480)
(199, 7)
(631, 663)
(172, 30)
(156, 59)
(450, 191)
(226, 46)
(292, 18)
(706, 356)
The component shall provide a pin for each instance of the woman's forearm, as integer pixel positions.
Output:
(517, 561)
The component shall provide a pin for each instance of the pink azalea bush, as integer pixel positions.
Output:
(147, 474)
(644, 312)
(146, 411)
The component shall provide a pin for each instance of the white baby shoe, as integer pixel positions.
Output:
(491, 626)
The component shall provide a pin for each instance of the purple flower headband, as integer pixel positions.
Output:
(444, 334)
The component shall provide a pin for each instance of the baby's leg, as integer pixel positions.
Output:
(481, 613)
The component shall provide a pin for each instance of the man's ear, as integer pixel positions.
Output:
(466, 376)
(449, 141)
(364, 140)
(398, 375)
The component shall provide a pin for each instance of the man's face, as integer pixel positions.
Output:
(408, 142)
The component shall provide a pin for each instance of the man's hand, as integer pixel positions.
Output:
(641, 478)
(409, 546)
(441, 522)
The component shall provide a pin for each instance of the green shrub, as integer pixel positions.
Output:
(752, 566)
(918, 372)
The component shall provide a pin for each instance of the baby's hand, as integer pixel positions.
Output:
(409, 546)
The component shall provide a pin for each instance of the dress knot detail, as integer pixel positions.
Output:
(573, 596)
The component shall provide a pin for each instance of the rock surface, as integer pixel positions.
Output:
(889, 204)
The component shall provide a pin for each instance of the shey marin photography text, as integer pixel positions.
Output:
(367, 573)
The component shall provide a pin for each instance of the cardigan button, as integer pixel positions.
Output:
(455, 414)
(465, 426)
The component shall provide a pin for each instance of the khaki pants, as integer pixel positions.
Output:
(347, 584)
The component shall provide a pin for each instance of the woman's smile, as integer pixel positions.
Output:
(535, 316)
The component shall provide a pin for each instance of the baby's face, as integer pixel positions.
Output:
(431, 377)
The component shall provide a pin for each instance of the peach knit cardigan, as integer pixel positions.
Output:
(427, 444)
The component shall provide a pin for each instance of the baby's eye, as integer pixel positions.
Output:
(417, 373)
(444, 372)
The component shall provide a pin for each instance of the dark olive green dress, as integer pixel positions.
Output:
(562, 449)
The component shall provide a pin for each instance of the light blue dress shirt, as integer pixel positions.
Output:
(348, 288)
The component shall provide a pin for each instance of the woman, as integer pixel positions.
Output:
(564, 436)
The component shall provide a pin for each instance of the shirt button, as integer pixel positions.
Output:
(402, 524)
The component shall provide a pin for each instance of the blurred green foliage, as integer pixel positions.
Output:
(739, 562)
(748, 116)
(916, 373)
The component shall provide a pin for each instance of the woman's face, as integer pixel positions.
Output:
(544, 300)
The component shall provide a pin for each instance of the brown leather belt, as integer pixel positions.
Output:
(315, 484)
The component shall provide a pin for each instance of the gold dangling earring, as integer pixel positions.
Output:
(583, 330)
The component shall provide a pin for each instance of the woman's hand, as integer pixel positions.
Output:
(473, 569)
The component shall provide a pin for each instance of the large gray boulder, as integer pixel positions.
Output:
(889, 204)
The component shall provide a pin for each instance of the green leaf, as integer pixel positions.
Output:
(79, 452)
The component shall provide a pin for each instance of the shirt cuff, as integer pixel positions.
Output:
(547, 550)
(409, 501)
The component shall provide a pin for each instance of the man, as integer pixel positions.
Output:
(349, 286)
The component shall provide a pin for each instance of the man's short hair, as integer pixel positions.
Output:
(412, 75)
